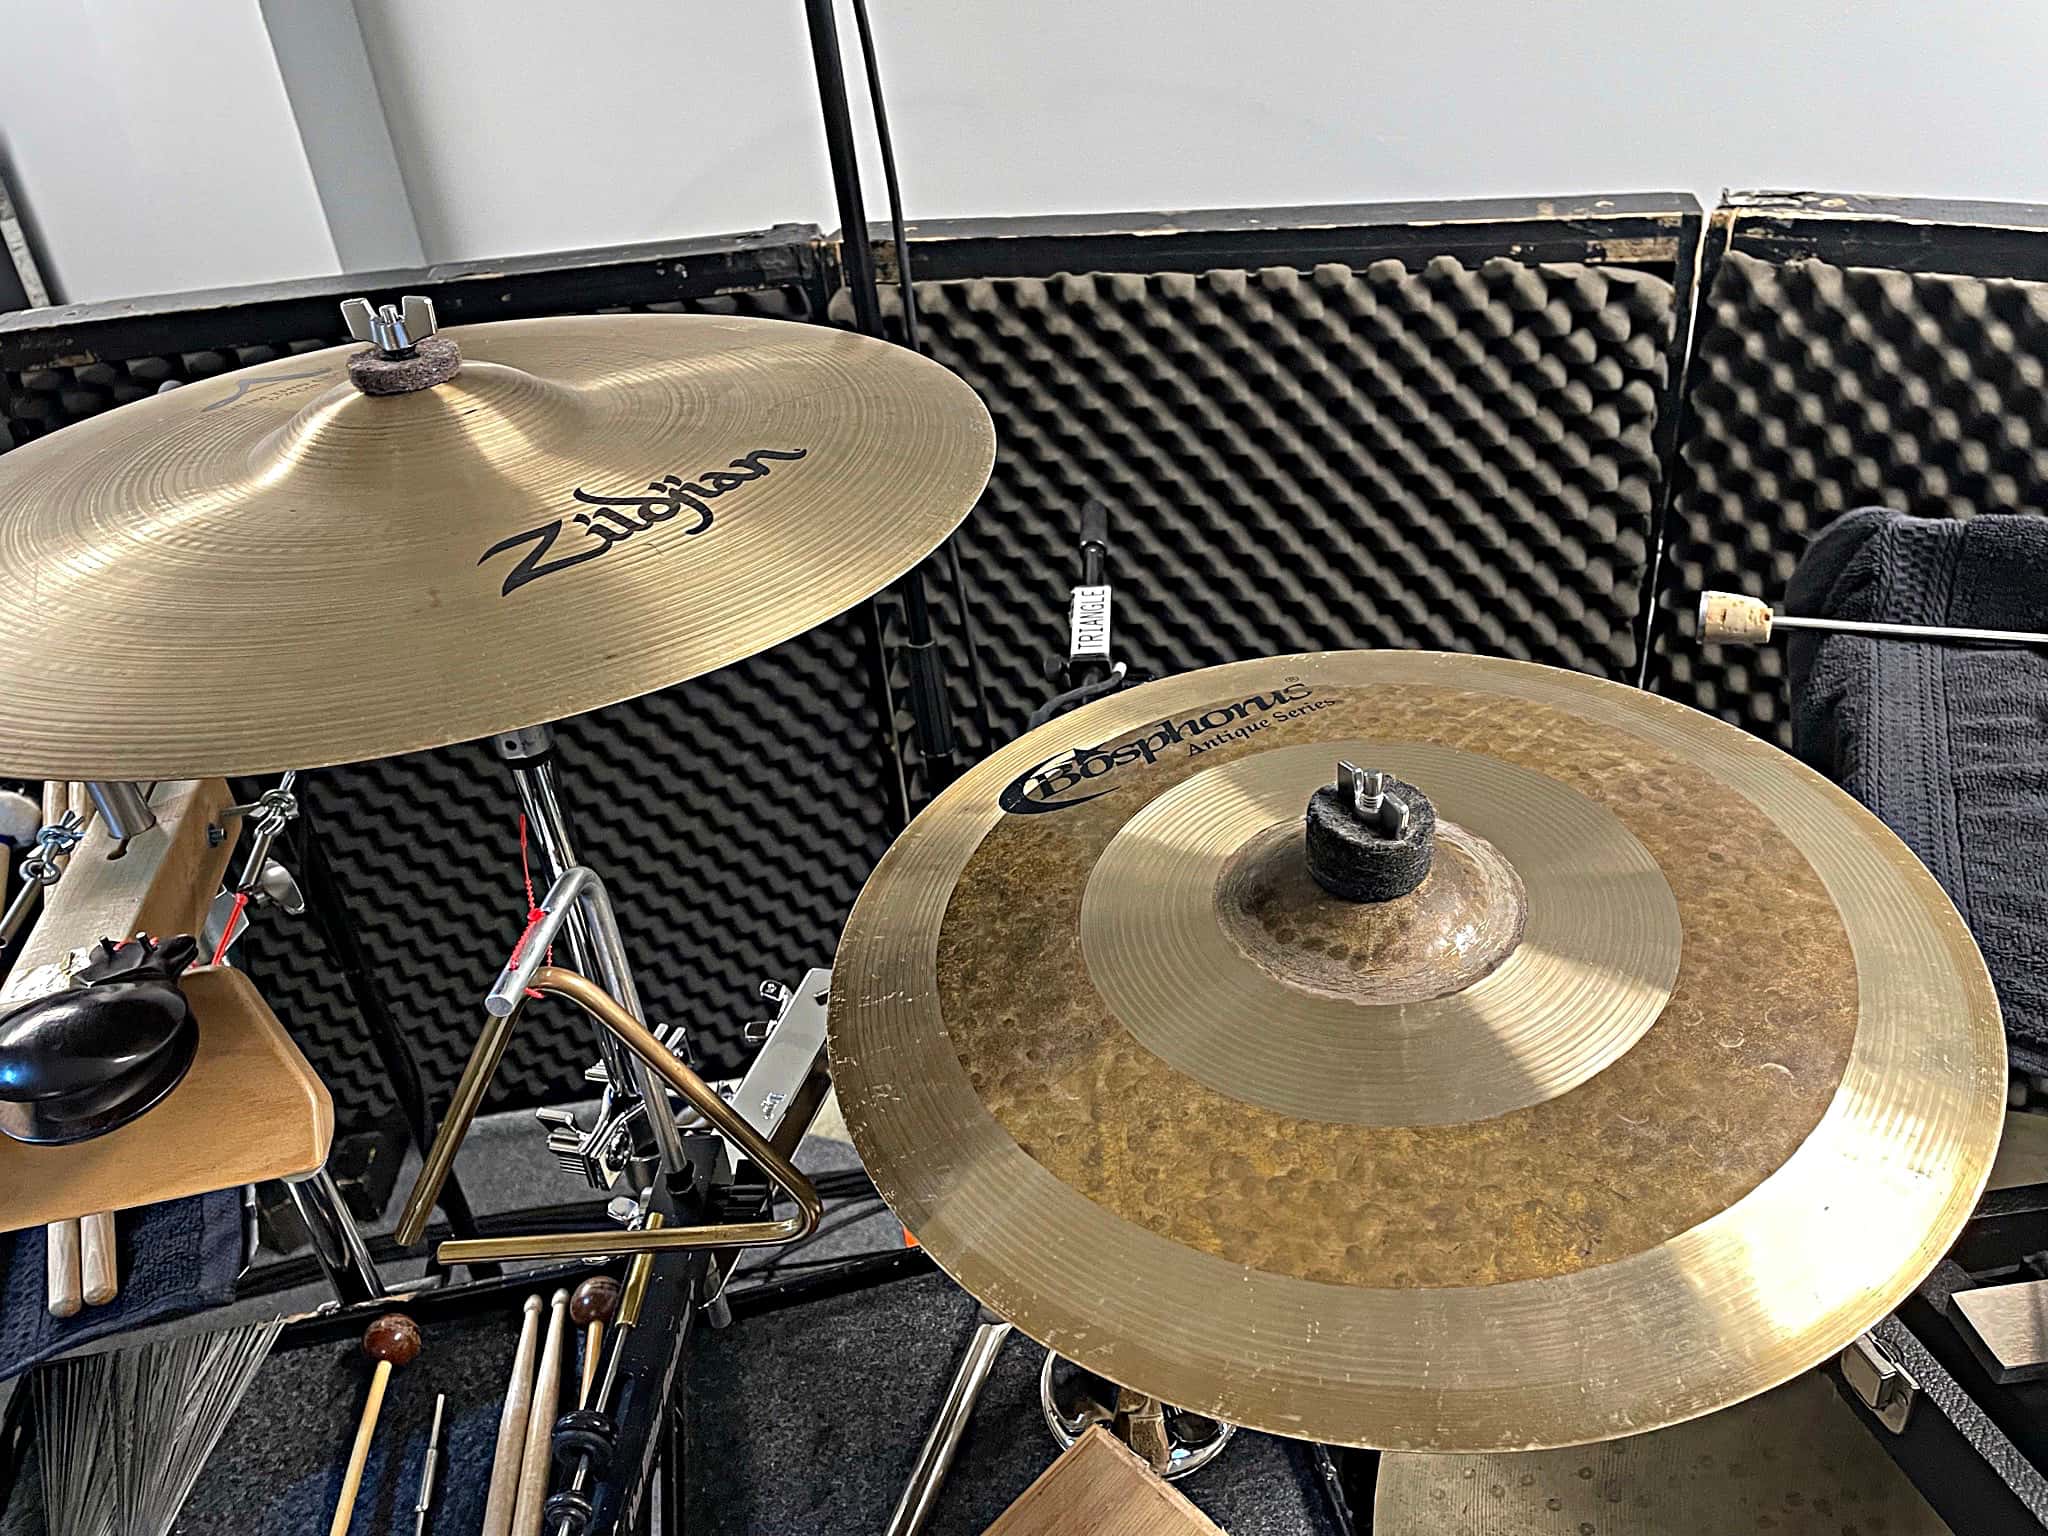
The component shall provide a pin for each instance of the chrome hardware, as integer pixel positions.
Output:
(1366, 794)
(124, 807)
(1885, 1386)
(393, 329)
(598, 1155)
(39, 871)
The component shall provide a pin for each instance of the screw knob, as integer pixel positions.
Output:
(396, 330)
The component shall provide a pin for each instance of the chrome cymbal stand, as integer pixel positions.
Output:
(635, 1127)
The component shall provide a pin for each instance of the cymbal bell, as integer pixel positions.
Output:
(272, 570)
(1673, 1074)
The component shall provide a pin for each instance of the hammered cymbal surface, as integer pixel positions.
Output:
(1726, 1092)
(271, 570)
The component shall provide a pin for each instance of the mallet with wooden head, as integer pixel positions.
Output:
(392, 1340)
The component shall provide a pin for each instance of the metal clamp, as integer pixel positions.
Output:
(39, 871)
(599, 1155)
(53, 843)
(525, 973)
(263, 881)
(1885, 1386)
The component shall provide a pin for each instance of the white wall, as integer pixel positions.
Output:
(523, 125)
(536, 124)
(152, 147)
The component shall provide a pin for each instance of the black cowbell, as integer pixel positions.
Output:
(87, 1060)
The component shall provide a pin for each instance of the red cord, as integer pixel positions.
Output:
(227, 935)
(533, 913)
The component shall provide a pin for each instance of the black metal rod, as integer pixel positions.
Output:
(931, 714)
(854, 253)
(336, 925)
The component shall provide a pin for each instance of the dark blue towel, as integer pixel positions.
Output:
(179, 1257)
(1948, 743)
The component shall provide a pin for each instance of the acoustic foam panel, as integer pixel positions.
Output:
(1448, 456)
(733, 818)
(1444, 455)
(1815, 389)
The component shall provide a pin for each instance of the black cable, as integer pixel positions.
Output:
(913, 340)
(848, 1214)
(888, 148)
(1074, 698)
(792, 1265)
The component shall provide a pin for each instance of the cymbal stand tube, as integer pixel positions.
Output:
(935, 1460)
(595, 946)
(338, 1245)
(124, 807)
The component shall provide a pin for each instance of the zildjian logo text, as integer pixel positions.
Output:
(614, 519)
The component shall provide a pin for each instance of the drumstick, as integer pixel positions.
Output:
(512, 1428)
(392, 1340)
(98, 1267)
(67, 1295)
(540, 1426)
(593, 1305)
(81, 1256)
(99, 1270)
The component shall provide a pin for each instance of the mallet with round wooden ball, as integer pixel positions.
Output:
(392, 1340)
(595, 1303)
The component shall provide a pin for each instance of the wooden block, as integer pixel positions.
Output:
(2007, 1326)
(1099, 1488)
(162, 884)
(249, 1109)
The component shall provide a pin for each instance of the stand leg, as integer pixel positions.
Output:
(928, 1476)
(329, 911)
(599, 955)
(337, 1242)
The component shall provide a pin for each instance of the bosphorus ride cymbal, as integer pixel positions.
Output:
(271, 570)
(1674, 1074)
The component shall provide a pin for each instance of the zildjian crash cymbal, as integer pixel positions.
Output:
(1674, 1073)
(273, 570)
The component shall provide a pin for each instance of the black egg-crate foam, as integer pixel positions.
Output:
(732, 818)
(43, 399)
(1448, 456)
(1815, 389)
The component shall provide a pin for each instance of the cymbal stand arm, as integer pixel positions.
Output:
(592, 939)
